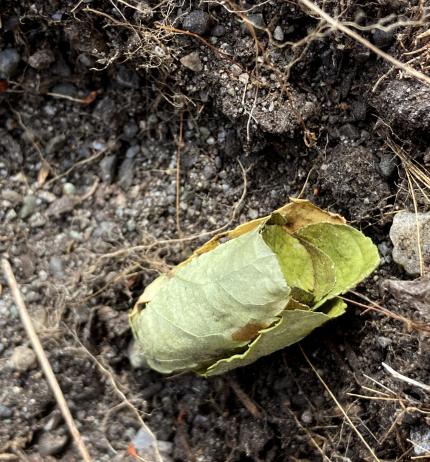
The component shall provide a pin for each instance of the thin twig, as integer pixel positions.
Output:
(124, 400)
(178, 173)
(250, 405)
(43, 360)
(346, 30)
(403, 378)
(372, 452)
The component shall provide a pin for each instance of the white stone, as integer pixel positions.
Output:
(404, 236)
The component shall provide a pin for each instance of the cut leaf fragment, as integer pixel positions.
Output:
(273, 282)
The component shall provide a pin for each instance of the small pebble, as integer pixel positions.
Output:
(192, 62)
(9, 61)
(131, 225)
(42, 59)
(10, 215)
(127, 78)
(47, 196)
(76, 235)
(383, 342)
(278, 34)
(244, 78)
(165, 447)
(204, 132)
(56, 266)
(387, 165)
(98, 145)
(69, 189)
(11, 196)
(132, 151)
(197, 21)
(236, 70)
(307, 417)
(126, 173)
(107, 168)
(50, 444)
(5, 412)
(29, 206)
(55, 144)
(403, 234)
(23, 358)
(130, 130)
(218, 30)
(257, 20)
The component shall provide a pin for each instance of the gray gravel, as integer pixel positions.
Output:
(9, 62)
(197, 21)
(29, 206)
(50, 444)
(23, 358)
(403, 234)
(107, 168)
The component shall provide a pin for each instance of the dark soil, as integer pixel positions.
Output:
(98, 102)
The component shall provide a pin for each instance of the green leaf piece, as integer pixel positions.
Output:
(354, 255)
(213, 305)
(294, 259)
(269, 285)
(293, 326)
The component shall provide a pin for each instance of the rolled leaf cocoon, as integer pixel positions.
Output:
(266, 286)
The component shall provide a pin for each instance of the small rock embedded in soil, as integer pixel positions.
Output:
(56, 267)
(11, 196)
(9, 62)
(403, 234)
(257, 20)
(126, 173)
(218, 30)
(387, 165)
(405, 103)
(132, 151)
(55, 144)
(192, 62)
(29, 206)
(278, 34)
(197, 22)
(5, 412)
(50, 444)
(421, 438)
(127, 78)
(42, 59)
(69, 189)
(23, 358)
(107, 168)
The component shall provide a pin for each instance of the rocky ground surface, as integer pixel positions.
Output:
(104, 106)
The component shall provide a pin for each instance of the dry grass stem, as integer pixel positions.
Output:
(346, 30)
(124, 400)
(179, 146)
(373, 306)
(342, 410)
(43, 360)
(247, 402)
(403, 378)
